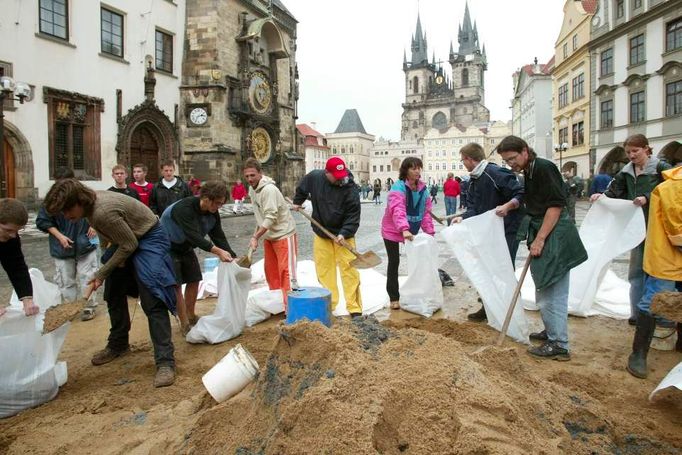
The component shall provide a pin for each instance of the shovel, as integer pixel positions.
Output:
(245, 261)
(366, 260)
(442, 220)
(58, 315)
(512, 304)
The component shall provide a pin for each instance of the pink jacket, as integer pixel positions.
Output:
(395, 217)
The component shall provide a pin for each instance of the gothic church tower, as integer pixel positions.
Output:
(436, 99)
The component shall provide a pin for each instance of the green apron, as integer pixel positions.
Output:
(563, 249)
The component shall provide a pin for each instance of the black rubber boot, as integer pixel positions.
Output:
(646, 324)
(478, 316)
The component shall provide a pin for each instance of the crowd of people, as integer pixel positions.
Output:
(148, 234)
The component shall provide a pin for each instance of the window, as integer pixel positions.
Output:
(606, 114)
(620, 8)
(578, 87)
(607, 62)
(578, 133)
(430, 167)
(465, 77)
(374, 168)
(54, 18)
(637, 50)
(438, 166)
(74, 132)
(415, 84)
(381, 168)
(388, 168)
(112, 33)
(636, 4)
(164, 51)
(454, 166)
(563, 95)
(563, 135)
(637, 113)
(673, 35)
(565, 49)
(575, 42)
(6, 70)
(673, 98)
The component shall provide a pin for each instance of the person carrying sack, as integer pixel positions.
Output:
(408, 209)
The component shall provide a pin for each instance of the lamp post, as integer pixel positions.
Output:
(9, 89)
(561, 148)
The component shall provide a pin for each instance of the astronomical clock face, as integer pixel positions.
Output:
(198, 116)
(260, 93)
(261, 144)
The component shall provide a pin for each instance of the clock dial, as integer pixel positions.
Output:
(261, 144)
(198, 116)
(439, 80)
(260, 93)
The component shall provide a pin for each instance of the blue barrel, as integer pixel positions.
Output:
(313, 304)
(210, 264)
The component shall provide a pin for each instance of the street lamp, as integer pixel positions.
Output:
(9, 89)
(561, 148)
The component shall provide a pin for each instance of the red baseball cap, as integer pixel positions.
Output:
(336, 167)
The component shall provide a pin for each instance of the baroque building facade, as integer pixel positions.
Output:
(636, 49)
(239, 92)
(386, 157)
(99, 95)
(351, 142)
(438, 98)
(314, 146)
(572, 89)
(532, 107)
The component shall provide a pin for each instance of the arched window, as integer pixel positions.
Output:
(415, 84)
(465, 77)
(439, 121)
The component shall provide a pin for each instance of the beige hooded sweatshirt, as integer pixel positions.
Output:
(271, 210)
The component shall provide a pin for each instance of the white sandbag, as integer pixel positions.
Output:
(228, 318)
(422, 293)
(263, 303)
(45, 294)
(479, 245)
(610, 228)
(672, 379)
(30, 374)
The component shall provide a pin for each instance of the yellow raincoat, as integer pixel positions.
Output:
(663, 247)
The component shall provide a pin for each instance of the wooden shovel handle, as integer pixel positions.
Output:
(512, 304)
(88, 292)
(323, 229)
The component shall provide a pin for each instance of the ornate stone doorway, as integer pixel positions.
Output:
(8, 179)
(144, 148)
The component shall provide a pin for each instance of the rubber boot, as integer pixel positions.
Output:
(646, 324)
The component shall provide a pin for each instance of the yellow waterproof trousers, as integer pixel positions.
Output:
(328, 254)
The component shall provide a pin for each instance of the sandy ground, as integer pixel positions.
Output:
(408, 385)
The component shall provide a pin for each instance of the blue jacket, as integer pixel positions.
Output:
(78, 232)
(495, 186)
(600, 183)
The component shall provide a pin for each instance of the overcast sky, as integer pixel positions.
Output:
(350, 52)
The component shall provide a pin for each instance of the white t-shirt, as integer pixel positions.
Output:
(170, 184)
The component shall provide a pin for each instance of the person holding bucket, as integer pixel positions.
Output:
(408, 209)
(275, 225)
(135, 231)
(187, 223)
(336, 206)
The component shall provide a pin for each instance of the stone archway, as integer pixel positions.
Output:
(671, 152)
(22, 160)
(614, 161)
(570, 166)
(142, 131)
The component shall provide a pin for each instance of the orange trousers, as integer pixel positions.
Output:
(280, 264)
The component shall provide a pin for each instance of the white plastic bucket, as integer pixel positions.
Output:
(231, 374)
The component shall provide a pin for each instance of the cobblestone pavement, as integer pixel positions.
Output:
(239, 229)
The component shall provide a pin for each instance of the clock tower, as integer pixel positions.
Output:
(240, 91)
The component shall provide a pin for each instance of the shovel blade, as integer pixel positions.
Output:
(366, 260)
(244, 262)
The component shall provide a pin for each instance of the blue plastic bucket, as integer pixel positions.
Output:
(313, 304)
(210, 264)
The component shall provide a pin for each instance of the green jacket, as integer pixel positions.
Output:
(563, 249)
(625, 185)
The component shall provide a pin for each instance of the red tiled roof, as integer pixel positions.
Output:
(590, 6)
(549, 66)
(312, 142)
(306, 130)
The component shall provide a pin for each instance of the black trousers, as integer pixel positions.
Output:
(116, 294)
(393, 252)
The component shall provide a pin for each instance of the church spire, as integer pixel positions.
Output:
(468, 35)
(419, 53)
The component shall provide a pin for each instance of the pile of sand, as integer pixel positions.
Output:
(365, 388)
